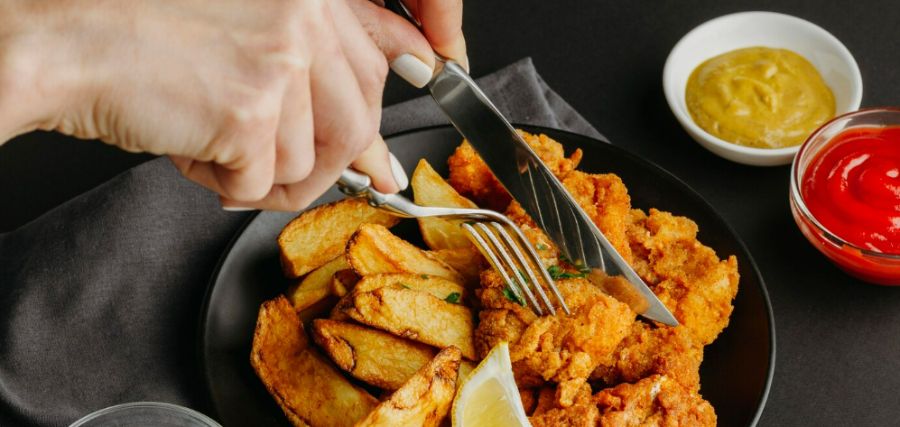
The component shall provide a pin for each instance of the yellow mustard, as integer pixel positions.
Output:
(759, 97)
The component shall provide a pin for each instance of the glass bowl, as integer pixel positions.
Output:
(874, 267)
(143, 414)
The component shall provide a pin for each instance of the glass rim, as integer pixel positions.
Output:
(797, 198)
(198, 416)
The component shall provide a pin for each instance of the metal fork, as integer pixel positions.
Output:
(499, 239)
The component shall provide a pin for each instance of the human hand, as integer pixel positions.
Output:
(441, 25)
(263, 104)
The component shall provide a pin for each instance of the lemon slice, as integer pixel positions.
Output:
(489, 396)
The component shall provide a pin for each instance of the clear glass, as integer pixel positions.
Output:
(143, 414)
(874, 267)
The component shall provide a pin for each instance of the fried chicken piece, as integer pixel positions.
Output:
(470, 176)
(653, 401)
(606, 201)
(649, 350)
(529, 398)
(582, 412)
(546, 249)
(688, 277)
(561, 349)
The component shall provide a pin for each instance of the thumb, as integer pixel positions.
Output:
(405, 47)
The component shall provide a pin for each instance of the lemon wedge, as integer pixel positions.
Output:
(489, 396)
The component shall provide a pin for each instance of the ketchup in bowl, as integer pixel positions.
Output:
(852, 187)
(845, 193)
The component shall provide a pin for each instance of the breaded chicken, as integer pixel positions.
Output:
(606, 201)
(653, 401)
(649, 350)
(582, 412)
(561, 349)
(470, 176)
(688, 277)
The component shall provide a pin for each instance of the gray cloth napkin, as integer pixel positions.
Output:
(100, 297)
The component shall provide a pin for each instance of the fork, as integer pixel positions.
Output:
(499, 239)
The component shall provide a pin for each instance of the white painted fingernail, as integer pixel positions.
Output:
(236, 208)
(412, 69)
(399, 173)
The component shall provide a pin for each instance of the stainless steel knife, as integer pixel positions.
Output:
(534, 186)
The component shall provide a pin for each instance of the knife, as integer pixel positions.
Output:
(534, 186)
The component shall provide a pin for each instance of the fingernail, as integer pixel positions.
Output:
(236, 208)
(412, 69)
(399, 173)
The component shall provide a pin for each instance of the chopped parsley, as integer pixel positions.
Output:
(541, 247)
(424, 276)
(453, 298)
(556, 272)
(510, 295)
(402, 284)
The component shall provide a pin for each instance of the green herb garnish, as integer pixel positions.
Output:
(510, 295)
(453, 298)
(541, 247)
(424, 276)
(556, 272)
(403, 284)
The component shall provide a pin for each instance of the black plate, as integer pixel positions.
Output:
(736, 371)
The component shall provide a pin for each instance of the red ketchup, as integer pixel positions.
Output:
(852, 187)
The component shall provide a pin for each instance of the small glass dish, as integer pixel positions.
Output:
(143, 414)
(874, 267)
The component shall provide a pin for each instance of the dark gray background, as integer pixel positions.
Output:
(838, 359)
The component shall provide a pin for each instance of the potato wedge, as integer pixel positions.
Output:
(306, 386)
(425, 399)
(437, 286)
(317, 285)
(429, 189)
(320, 234)
(343, 281)
(375, 357)
(416, 315)
(373, 249)
(468, 262)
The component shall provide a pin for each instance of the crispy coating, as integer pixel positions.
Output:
(561, 349)
(688, 277)
(472, 178)
(649, 350)
(653, 401)
(582, 411)
(606, 201)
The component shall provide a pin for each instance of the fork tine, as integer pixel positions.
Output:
(540, 266)
(487, 250)
(527, 266)
(504, 255)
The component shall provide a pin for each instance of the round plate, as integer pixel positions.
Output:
(736, 371)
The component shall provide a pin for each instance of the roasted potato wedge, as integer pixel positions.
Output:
(376, 357)
(437, 286)
(306, 386)
(373, 249)
(343, 281)
(320, 234)
(429, 189)
(425, 399)
(413, 314)
(468, 262)
(317, 285)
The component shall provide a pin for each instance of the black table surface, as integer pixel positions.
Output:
(838, 339)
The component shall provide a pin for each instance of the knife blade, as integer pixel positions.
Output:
(539, 192)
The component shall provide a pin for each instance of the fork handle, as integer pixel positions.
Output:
(353, 183)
